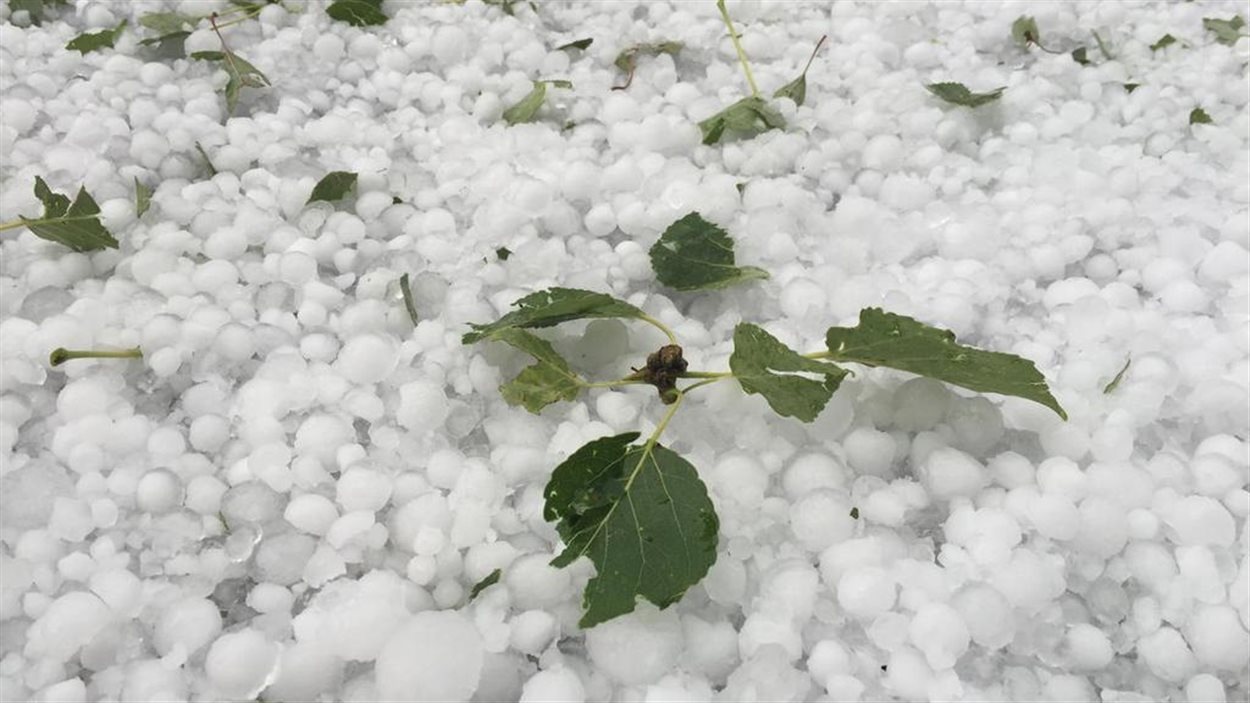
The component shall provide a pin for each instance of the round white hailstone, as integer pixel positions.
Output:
(740, 477)
(949, 473)
(1184, 296)
(430, 541)
(870, 451)
(83, 398)
(1167, 655)
(844, 687)
(1062, 476)
(1068, 687)
(812, 472)
(1087, 647)
(821, 519)
(1065, 439)
(1055, 517)
(1201, 520)
(1011, 470)
(1218, 639)
(616, 409)
(434, 656)
(297, 268)
(371, 205)
(1104, 527)
(67, 691)
(938, 631)
(1030, 580)
(421, 569)
(360, 615)
(1215, 475)
(637, 648)
(1205, 688)
(362, 488)
(987, 615)
(908, 675)
(423, 407)
(68, 624)
(282, 556)
(250, 503)
(883, 152)
(726, 581)
(208, 433)
(532, 631)
(829, 658)
(241, 664)
(802, 298)
(905, 193)
(270, 598)
(1112, 443)
(790, 586)
(1142, 524)
(190, 623)
(889, 631)
(769, 630)
(367, 358)
(560, 685)
(534, 583)
(977, 423)
(920, 403)
(311, 513)
(120, 589)
(305, 671)
(226, 244)
(204, 494)
(351, 527)
(866, 591)
(158, 491)
(449, 45)
(71, 519)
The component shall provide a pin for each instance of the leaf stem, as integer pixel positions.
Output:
(815, 51)
(5, 226)
(706, 374)
(60, 355)
(612, 384)
(659, 429)
(742, 55)
(706, 382)
(409, 304)
(672, 338)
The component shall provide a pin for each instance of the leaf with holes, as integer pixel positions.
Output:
(335, 185)
(76, 225)
(958, 94)
(360, 13)
(553, 306)
(749, 116)
(793, 385)
(642, 516)
(548, 381)
(94, 41)
(694, 254)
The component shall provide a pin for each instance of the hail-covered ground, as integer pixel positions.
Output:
(291, 496)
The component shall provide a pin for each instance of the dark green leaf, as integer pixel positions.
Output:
(899, 342)
(168, 22)
(491, 579)
(1102, 47)
(240, 72)
(1115, 382)
(749, 116)
(527, 109)
(94, 41)
(76, 225)
(1164, 41)
(694, 254)
(503, 253)
(958, 94)
(854, 513)
(641, 514)
(553, 306)
(410, 305)
(793, 385)
(360, 13)
(1078, 55)
(143, 198)
(1130, 87)
(582, 44)
(1024, 31)
(1226, 31)
(543, 383)
(168, 45)
(796, 89)
(1199, 116)
(335, 185)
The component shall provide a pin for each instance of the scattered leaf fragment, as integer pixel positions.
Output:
(360, 13)
(1119, 376)
(552, 307)
(641, 514)
(94, 41)
(527, 109)
(1024, 31)
(240, 74)
(627, 60)
(581, 44)
(410, 305)
(143, 198)
(491, 579)
(75, 225)
(793, 385)
(503, 253)
(854, 513)
(335, 185)
(749, 116)
(1130, 87)
(694, 254)
(1199, 116)
(1079, 56)
(1164, 41)
(1102, 46)
(958, 94)
(207, 161)
(1226, 31)
(796, 89)
(900, 342)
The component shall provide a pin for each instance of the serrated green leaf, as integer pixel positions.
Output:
(527, 109)
(1199, 116)
(240, 74)
(958, 94)
(793, 385)
(581, 44)
(360, 13)
(641, 514)
(168, 22)
(75, 225)
(900, 342)
(94, 41)
(548, 381)
(694, 254)
(553, 306)
(1079, 56)
(1226, 31)
(1024, 31)
(143, 198)
(749, 116)
(335, 185)
(1164, 41)
(491, 579)
(1115, 382)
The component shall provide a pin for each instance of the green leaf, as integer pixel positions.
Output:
(335, 185)
(1226, 31)
(958, 94)
(503, 253)
(553, 306)
(35, 9)
(1079, 56)
(143, 198)
(241, 74)
(527, 109)
(410, 305)
(1164, 41)
(76, 225)
(694, 254)
(541, 384)
(1130, 87)
(582, 44)
(168, 22)
(94, 41)
(854, 513)
(641, 514)
(1024, 31)
(899, 342)
(749, 116)
(1115, 382)
(491, 579)
(1199, 116)
(793, 385)
(796, 89)
(360, 13)
(627, 59)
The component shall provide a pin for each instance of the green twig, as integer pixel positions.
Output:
(60, 355)
(742, 55)
(409, 304)
(672, 338)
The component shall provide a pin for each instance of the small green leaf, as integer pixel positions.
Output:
(212, 170)
(694, 254)
(75, 225)
(796, 89)
(900, 342)
(527, 109)
(1115, 382)
(642, 516)
(1079, 56)
(491, 579)
(958, 94)
(854, 513)
(1024, 31)
(241, 74)
(143, 198)
(94, 41)
(1164, 41)
(503, 253)
(1130, 87)
(1199, 116)
(749, 116)
(1226, 31)
(793, 385)
(335, 185)
(359, 13)
(582, 44)
(410, 305)
(168, 22)
(553, 306)
(548, 381)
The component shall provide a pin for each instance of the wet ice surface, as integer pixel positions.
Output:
(292, 495)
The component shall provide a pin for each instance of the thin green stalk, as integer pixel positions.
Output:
(4, 227)
(707, 382)
(672, 338)
(612, 384)
(706, 374)
(409, 304)
(659, 429)
(60, 355)
(742, 55)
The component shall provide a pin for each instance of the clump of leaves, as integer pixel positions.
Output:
(527, 109)
(94, 41)
(627, 60)
(172, 28)
(60, 355)
(1226, 31)
(333, 186)
(958, 94)
(628, 504)
(73, 224)
(1199, 116)
(360, 13)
